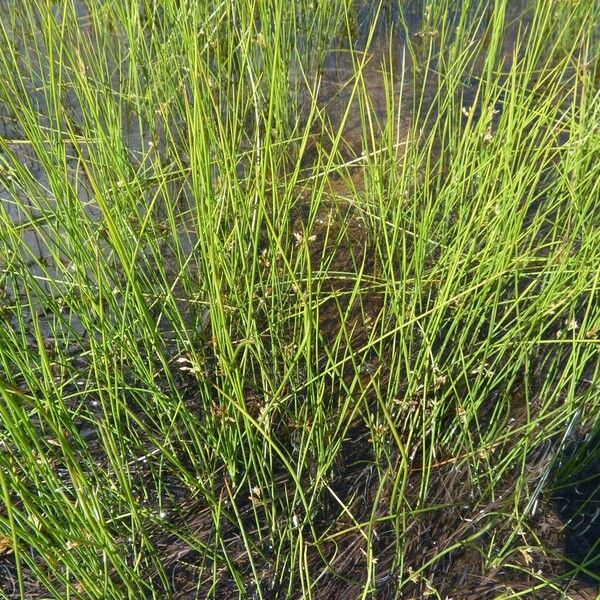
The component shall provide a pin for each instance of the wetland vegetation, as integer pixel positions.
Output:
(299, 299)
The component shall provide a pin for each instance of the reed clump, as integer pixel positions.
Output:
(298, 300)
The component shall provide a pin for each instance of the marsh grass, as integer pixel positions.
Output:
(272, 333)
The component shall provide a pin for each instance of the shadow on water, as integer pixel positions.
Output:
(576, 495)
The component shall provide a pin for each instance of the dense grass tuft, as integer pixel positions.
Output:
(299, 299)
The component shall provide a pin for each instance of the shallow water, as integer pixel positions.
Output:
(383, 34)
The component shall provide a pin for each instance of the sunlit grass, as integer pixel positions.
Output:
(293, 305)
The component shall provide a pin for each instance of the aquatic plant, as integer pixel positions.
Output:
(298, 299)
